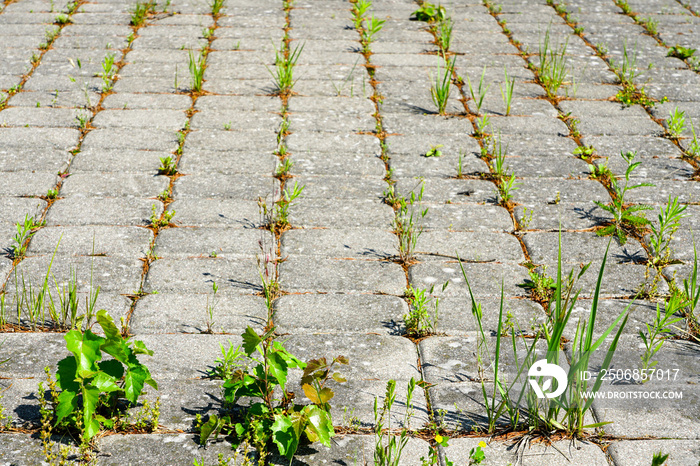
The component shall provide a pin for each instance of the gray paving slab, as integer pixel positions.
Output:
(681, 452)
(186, 242)
(347, 243)
(485, 278)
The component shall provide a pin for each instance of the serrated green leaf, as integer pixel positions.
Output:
(105, 382)
(107, 324)
(285, 435)
(319, 422)
(86, 348)
(208, 428)
(140, 348)
(133, 382)
(91, 397)
(278, 369)
(112, 367)
(67, 403)
(250, 341)
(338, 378)
(66, 374)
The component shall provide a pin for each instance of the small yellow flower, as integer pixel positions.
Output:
(482, 444)
(438, 438)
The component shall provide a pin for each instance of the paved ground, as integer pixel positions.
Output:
(350, 138)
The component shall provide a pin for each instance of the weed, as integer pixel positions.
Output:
(434, 151)
(404, 224)
(216, 6)
(629, 95)
(440, 86)
(141, 12)
(507, 90)
(167, 166)
(210, 308)
(624, 216)
(568, 411)
(370, 28)
(498, 163)
(50, 35)
(659, 458)
(600, 172)
(660, 239)
(165, 194)
(691, 295)
(601, 49)
(389, 454)
(694, 147)
(62, 19)
(505, 188)
(628, 72)
(419, 321)
(682, 53)
(658, 331)
(270, 419)
(196, 67)
(25, 231)
(100, 384)
(676, 123)
(476, 454)
(430, 13)
(359, 9)
(444, 34)
(460, 174)
(286, 201)
(541, 286)
(227, 363)
(82, 119)
(284, 168)
(481, 126)
(585, 152)
(284, 69)
(107, 72)
(227, 126)
(650, 24)
(480, 94)
(349, 78)
(553, 69)
(163, 221)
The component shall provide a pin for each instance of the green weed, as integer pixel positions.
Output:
(84, 378)
(507, 90)
(430, 13)
(444, 34)
(216, 6)
(196, 67)
(284, 69)
(625, 216)
(141, 11)
(660, 239)
(404, 224)
(658, 331)
(388, 453)
(553, 68)
(676, 123)
(167, 166)
(421, 320)
(434, 151)
(480, 94)
(269, 419)
(441, 84)
(25, 231)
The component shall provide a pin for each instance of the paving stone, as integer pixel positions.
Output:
(97, 240)
(233, 275)
(455, 314)
(172, 120)
(126, 161)
(113, 185)
(201, 241)
(218, 186)
(263, 141)
(111, 274)
(464, 217)
(581, 247)
(420, 144)
(336, 213)
(42, 117)
(235, 120)
(628, 452)
(554, 191)
(119, 101)
(449, 191)
(188, 313)
(471, 246)
(559, 453)
(302, 141)
(143, 449)
(300, 314)
(484, 278)
(323, 163)
(341, 187)
(359, 243)
(14, 209)
(45, 138)
(132, 138)
(363, 276)
(81, 210)
(228, 213)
